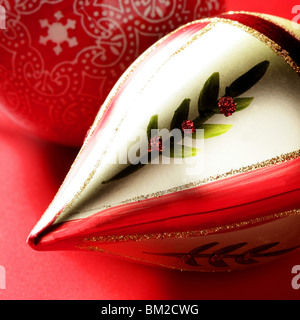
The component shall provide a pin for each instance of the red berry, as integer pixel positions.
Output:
(215, 258)
(227, 106)
(187, 126)
(183, 258)
(155, 144)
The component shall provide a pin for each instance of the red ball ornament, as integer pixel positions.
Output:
(60, 59)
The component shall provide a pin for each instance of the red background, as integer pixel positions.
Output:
(31, 172)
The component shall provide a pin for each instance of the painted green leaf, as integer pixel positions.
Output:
(209, 94)
(153, 124)
(214, 130)
(247, 80)
(184, 152)
(242, 103)
(216, 110)
(181, 114)
(200, 120)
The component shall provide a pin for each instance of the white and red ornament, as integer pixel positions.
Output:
(60, 59)
(233, 200)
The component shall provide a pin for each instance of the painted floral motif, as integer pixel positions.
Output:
(58, 32)
(154, 10)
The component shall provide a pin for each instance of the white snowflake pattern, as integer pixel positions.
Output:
(58, 32)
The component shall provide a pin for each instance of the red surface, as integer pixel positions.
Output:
(31, 172)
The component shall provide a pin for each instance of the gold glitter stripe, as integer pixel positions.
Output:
(213, 22)
(89, 243)
(268, 18)
(266, 40)
(261, 165)
(149, 262)
(188, 234)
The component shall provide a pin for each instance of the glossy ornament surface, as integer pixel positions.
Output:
(222, 198)
(60, 59)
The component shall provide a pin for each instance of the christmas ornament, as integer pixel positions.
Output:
(192, 162)
(60, 59)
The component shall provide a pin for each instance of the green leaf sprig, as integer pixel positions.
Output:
(208, 106)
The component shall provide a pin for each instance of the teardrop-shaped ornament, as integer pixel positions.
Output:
(197, 146)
